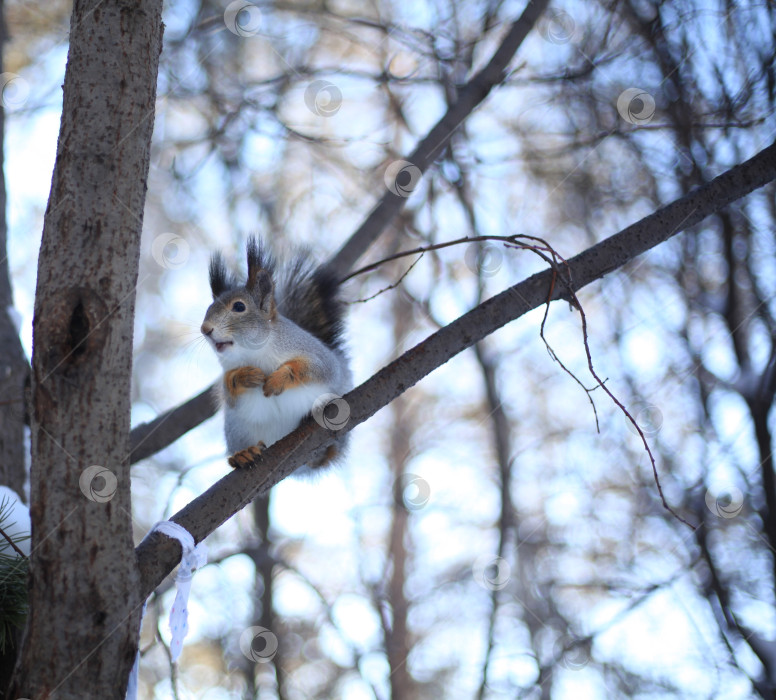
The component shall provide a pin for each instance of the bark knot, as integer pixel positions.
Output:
(78, 331)
(73, 328)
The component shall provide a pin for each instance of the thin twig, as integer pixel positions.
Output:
(429, 248)
(574, 300)
(552, 262)
(390, 286)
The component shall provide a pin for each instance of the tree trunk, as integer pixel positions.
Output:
(85, 600)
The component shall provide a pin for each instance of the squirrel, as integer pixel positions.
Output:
(279, 339)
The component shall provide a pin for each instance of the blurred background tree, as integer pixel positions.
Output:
(483, 539)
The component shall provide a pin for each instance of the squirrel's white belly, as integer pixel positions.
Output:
(257, 418)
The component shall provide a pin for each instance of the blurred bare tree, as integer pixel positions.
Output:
(694, 89)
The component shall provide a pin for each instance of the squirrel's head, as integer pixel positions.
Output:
(241, 315)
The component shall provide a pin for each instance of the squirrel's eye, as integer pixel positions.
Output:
(238, 306)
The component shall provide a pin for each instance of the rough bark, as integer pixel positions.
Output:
(158, 554)
(85, 598)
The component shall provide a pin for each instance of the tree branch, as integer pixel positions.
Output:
(157, 555)
(149, 438)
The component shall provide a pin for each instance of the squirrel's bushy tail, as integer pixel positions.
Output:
(309, 296)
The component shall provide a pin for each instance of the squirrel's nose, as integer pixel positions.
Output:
(206, 329)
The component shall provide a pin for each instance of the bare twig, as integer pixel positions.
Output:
(435, 246)
(600, 383)
(553, 260)
(390, 286)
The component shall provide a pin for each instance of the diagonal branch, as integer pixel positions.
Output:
(157, 555)
(149, 438)
(467, 99)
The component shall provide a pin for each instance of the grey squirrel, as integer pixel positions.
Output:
(279, 339)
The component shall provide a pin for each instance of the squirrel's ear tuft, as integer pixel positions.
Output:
(260, 284)
(219, 277)
(254, 251)
(263, 292)
(259, 260)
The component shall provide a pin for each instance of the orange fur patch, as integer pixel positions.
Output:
(238, 380)
(289, 375)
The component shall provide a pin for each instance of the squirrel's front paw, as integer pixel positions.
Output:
(242, 378)
(247, 457)
(288, 375)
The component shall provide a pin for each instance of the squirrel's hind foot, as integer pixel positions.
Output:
(247, 457)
